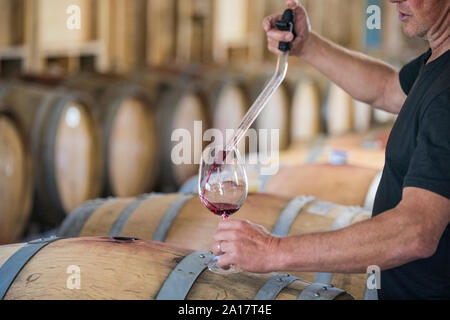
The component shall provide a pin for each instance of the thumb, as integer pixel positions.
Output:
(292, 4)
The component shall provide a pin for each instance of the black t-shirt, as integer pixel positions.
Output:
(418, 155)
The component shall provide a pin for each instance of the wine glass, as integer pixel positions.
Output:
(223, 187)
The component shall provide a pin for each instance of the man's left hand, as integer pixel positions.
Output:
(246, 245)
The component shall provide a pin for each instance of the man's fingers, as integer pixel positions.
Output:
(227, 235)
(226, 260)
(232, 224)
(269, 22)
(217, 248)
(292, 4)
(280, 35)
(221, 247)
(273, 47)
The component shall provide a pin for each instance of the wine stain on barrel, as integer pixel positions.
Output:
(33, 277)
(123, 239)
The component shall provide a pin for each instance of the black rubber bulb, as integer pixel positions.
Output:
(286, 24)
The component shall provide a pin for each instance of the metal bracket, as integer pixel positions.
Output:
(345, 217)
(166, 221)
(121, 221)
(12, 267)
(273, 287)
(320, 291)
(372, 192)
(289, 214)
(181, 279)
(74, 223)
(190, 186)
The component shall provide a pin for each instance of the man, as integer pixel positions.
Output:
(408, 236)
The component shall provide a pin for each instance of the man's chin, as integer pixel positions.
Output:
(412, 32)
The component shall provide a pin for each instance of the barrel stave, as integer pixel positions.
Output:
(113, 268)
(194, 226)
(42, 118)
(15, 182)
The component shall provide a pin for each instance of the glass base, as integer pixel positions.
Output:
(214, 267)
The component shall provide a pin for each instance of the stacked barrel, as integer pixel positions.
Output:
(93, 156)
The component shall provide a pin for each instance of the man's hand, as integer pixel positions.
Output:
(302, 30)
(246, 245)
(408, 232)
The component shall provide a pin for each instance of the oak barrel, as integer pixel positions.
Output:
(228, 102)
(127, 115)
(183, 117)
(305, 110)
(60, 134)
(338, 111)
(365, 149)
(182, 220)
(103, 268)
(275, 114)
(16, 184)
(344, 184)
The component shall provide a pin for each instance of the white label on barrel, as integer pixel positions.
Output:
(73, 117)
(321, 208)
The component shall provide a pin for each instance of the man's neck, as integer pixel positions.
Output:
(439, 36)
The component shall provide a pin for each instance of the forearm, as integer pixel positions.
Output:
(363, 77)
(388, 240)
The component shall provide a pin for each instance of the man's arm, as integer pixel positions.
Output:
(408, 232)
(366, 79)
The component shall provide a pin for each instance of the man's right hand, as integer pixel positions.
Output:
(302, 30)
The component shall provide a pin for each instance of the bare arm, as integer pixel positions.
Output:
(408, 232)
(366, 79)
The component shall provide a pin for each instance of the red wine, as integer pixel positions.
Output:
(214, 166)
(220, 209)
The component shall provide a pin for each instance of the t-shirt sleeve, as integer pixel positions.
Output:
(430, 165)
(410, 72)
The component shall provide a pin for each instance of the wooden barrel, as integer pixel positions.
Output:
(343, 114)
(362, 149)
(16, 184)
(181, 219)
(305, 110)
(60, 133)
(276, 113)
(183, 116)
(338, 111)
(102, 268)
(127, 115)
(127, 118)
(344, 184)
(362, 116)
(384, 117)
(228, 103)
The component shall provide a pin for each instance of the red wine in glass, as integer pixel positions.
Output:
(223, 187)
(221, 209)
